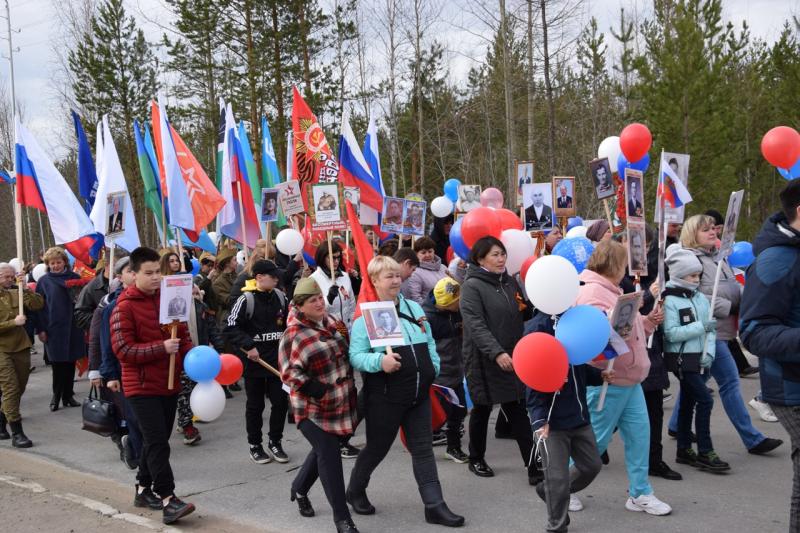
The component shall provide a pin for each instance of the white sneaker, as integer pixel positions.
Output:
(764, 410)
(649, 504)
(575, 503)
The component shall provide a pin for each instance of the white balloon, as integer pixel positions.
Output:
(214, 237)
(16, 263)
(552, 284)
(577, 231)
(240, 258)
(610, 148)
(519, 247)
(289, 241)
(441, 206)
(207, 400)
(39, 271)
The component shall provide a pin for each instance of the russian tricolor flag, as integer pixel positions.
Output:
(41, 185)
(670, 187)
(354, 170)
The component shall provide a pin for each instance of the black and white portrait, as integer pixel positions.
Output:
(537, 200)
(602, 178)
(469, 197)
(634, 197)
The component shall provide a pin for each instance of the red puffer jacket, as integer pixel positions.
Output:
(138, 343)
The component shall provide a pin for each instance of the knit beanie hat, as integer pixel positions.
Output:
(446, 291)
(597, 230)
(682, 262)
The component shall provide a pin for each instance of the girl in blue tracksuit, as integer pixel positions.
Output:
(689, 335)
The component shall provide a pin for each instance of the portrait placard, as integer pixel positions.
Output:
(176, 297)
(382, 323)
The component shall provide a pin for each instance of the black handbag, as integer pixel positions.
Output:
(99, 415)
(680, 362)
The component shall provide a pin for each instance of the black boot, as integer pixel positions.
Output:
(54, 400)
(3, 431)
(442, 515)
(358, 500)
(18, 438)
(346, 526)
(303, 504)
(71, 402)
(436, 510)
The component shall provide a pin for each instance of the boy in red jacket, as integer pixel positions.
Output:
(143, 349)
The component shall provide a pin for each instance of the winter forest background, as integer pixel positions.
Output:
(549, 85)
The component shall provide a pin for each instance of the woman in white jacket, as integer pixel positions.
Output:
(340, 297)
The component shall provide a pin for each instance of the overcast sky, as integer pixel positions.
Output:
(466, 43)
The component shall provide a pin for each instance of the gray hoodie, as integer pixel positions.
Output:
(423, 280)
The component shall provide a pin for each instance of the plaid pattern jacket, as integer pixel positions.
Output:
(310, 351)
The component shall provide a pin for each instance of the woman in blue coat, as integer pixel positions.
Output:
(56, 324)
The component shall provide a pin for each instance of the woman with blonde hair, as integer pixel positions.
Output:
(700, 237)
(396, 390)
(624, 406)
(56, 325)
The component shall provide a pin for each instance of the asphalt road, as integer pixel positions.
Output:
(231, 491)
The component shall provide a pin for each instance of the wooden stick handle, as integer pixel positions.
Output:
(173, 334)
(604, 389)
(266, 365)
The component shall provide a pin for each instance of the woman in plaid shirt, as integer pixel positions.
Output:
(314, 364)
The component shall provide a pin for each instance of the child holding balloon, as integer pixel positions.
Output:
(561, 424)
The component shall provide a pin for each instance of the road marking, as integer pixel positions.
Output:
(92, 505)
(29, 485)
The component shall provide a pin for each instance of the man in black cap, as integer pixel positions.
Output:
(254, 329)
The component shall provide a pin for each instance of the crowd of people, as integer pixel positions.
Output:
(460, 321)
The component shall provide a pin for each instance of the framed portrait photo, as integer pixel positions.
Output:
(115, 211)
(624, 313)
(175, 298)
(634, 195)
(414, 218)
(269, 205)
(602, 178)
(564, 194)
(392, 219)
(537, 204)
(524, 173)
(731, 222)
(325, 207)
(637, 248)
(382, 323)
(469, 197)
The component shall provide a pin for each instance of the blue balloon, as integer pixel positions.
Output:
(576, 250)
(195, 266)
(460, 248)
(202, 363)
(623, 163)
(742, 255)
(309, 260)
(574, 222)
(467, 399)
(451, 189)
(584, 331)
(790, 173)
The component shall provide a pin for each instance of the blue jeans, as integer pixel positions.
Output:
(724, 371)
(694, 394)
(625, 409)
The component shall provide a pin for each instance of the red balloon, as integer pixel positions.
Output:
(635, 140)
(523, 271)
(449, 254)
(231, 370)
(32, 285)
(509, 219)
(480, 222)
(540, 361)
(781, 146)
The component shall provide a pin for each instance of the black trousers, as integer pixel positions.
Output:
(156, 416)
(455, 418)
(654, 399)
(63, 379)
(257, 390)
(324, 462)
(383, 420)
(738, 355)
(520, 427)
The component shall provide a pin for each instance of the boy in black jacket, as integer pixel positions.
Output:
(561, 422)
(255, 328)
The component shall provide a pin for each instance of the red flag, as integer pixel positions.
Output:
(364, 253)
(312, 161)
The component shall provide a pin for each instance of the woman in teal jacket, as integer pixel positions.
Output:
(689, 338)
(396, 392)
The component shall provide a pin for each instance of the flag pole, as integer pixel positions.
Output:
(180, 247)
(244, 223)
(110, 265)
(164, 241)
(18, 224)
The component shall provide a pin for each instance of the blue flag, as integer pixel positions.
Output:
(6, 177)
(87, 174)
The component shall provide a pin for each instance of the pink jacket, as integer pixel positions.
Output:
(631, 368)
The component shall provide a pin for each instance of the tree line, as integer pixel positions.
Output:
(545, 87)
